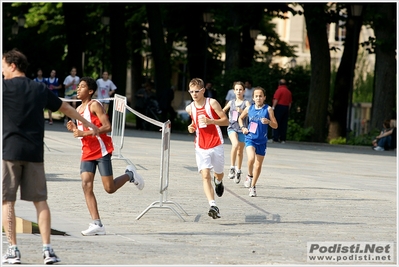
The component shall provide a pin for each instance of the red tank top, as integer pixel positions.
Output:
(94, 147)
(211, 135)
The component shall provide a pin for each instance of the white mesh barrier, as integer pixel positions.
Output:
(117, 134)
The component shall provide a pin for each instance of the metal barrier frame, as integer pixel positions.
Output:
(118, 127)
(118, 130)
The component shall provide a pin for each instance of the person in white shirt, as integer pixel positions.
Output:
(105, 89)
(71, 83)
(249, 91)
(230, 96)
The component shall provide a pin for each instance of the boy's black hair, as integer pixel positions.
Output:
(91, 83)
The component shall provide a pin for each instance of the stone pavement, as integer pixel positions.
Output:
(306, 192)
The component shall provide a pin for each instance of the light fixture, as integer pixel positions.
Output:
(208, 17)
(105, 20)
(356, 10)
(21, 20)
(254, 33)
(293, 62)
(14, 29)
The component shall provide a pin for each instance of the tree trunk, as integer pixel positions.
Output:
(344, 79)
(384, 96)
(195, 44)
(248, 48)
(159, 53)
(118, 51)
(74, 14)
(316, 114)
(233, 40)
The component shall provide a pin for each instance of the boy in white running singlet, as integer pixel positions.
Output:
(207, 115)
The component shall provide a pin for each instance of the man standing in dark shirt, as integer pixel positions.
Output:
(282, 100)
(23, 161)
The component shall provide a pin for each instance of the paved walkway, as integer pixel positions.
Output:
(306, 192)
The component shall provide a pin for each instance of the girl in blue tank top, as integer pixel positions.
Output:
(260, 116)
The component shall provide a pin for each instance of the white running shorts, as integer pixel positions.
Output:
(212, 158)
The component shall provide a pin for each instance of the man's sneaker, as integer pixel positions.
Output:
(378, 148)
(252, 191)
(94, 229)
(232, 173)
(136, 178)
(49, 256)
(214, 212)
(219, 188)
(248, 181)
(12, 256)
(237, 179)
(283, 142)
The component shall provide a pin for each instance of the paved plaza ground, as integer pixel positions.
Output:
(306, 193)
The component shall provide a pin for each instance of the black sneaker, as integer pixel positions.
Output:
(12, 256)
(219, 188)
(214, 212)
(49, 256)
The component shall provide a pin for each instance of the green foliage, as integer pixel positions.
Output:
(130, 118)
(261, 74)
(338, 141)
(179, 124)
(364, 139)
(296, 132)
(363, 84)
(360, 140)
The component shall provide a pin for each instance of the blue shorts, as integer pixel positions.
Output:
(241, 136)
(104, 165)
(260, 149)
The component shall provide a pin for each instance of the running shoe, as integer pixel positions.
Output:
(252, 191)
(214, 212)
(232, 173)
(219, 188)
(94, 229)
(237, 179)
(49, 256)
(136, 178)
(248, 181)
(12, 256)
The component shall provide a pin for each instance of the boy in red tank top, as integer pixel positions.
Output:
(207, 116)
(97, 151)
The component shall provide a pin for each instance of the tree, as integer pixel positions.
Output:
(74, 14)
(160, 56)
(345, 75)
(385, 94)
(316, 113)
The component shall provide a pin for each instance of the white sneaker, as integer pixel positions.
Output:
(283, 142)
(137, 179)
(248, 181)
(232, 173)
(94, 229)
(378, 148)
(252, 192)
(237, 179)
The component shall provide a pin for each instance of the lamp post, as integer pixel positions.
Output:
(21, 20)
(356, 10)
(208, 18)
(293, 63)
(16, 25)
(254, 33)
(105, 21)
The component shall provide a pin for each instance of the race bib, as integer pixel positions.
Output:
(252, 127)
